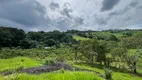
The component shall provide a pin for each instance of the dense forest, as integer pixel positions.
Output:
(13, 37)
(117, 50)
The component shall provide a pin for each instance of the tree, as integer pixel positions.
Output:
(133, 42)
(50, 42)
(25, 44)
(101, 52)
(127, 33)
(128, 42)
(112, 38)
(86, 48)
(75, 49)
(92, 48)
(119, 54)
(11, 37)
(138, 44)
(34, 36)
(136, 59)
(108, 47)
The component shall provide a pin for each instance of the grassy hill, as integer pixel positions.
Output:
(76, 37)
(116, 75)
(15, 63)
(70, 55)
(58, 75)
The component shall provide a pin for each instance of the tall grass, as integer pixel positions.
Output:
(115, 76)
(55, 76)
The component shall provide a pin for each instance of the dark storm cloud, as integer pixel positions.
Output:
(140, 7)
(79, 21)
(100, 20)
(124, 10)
(68, 21)
(69, 14)
(66, 10)
(114, 13)
(108, 4)
(63, 23)
(133, 4)
(24, 12)
(54, 6)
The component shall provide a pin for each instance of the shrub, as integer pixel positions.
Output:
(108, 74)
(62, 70)
(49, 61)
(60, 58)
(19, 68)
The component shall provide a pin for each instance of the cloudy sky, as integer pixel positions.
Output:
(47, 15)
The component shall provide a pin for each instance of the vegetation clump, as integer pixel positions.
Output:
(108, 74)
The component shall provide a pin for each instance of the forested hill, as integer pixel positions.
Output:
(13, 37)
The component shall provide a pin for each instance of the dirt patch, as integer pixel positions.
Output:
(51, 68)
(48, 68)
(55, 67)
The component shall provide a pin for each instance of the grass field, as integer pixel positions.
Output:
(115, 75)
(67, 75)
(13, 63)
(118, 35)
(58, 75)
(76, 37)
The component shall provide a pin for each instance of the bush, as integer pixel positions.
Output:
(62, 70)
(108, 74)
(19, 68)
(60, 58)
(49, 61)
